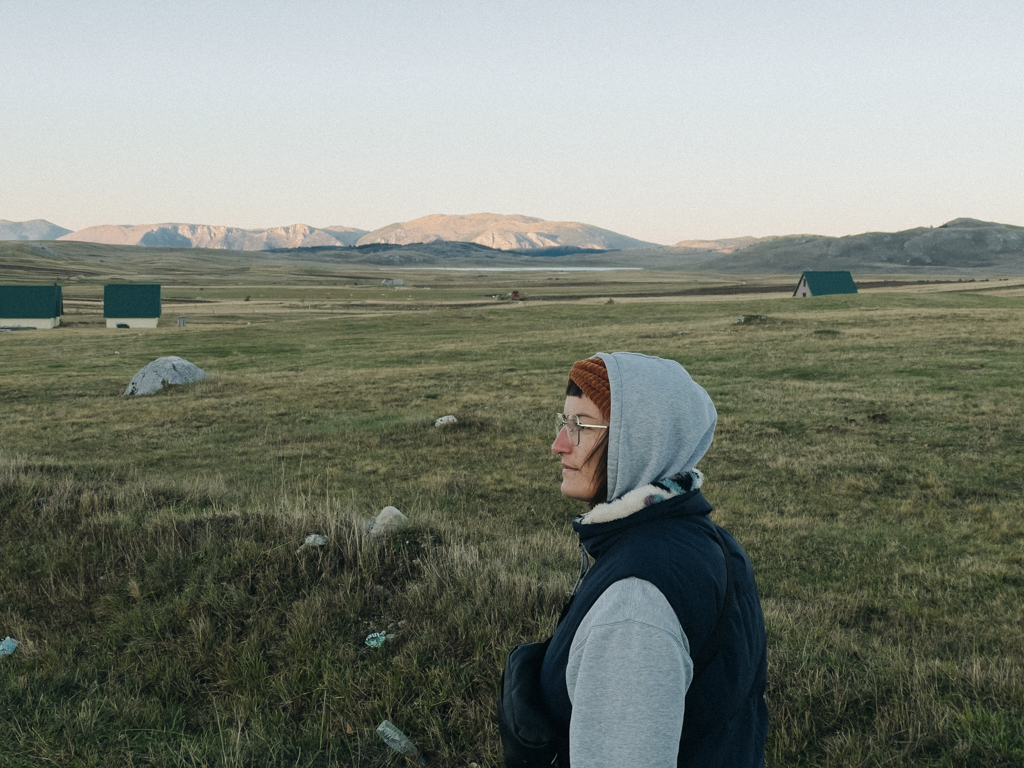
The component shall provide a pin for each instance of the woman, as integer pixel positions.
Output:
(659, 658)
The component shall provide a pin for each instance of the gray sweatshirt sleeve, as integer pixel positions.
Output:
(628, 672)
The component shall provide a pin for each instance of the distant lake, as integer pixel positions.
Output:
(519, 269)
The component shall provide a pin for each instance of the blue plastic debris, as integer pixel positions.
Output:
(376, 640)
(8, 645)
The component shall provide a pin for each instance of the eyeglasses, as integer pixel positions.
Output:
(572, 427)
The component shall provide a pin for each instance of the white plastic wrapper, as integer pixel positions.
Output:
(313, 540)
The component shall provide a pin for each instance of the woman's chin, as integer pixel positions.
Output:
(570, 490)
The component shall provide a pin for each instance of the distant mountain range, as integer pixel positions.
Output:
(493, 230)
(962, 246)
(212, 236)
(959, 245)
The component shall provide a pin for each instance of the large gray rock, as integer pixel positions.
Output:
(164, 370)
(388, 520)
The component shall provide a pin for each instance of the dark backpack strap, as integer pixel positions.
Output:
(714, 643)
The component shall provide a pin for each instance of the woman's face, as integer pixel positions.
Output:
(579, 477)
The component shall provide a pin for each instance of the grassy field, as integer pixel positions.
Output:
(869, 455)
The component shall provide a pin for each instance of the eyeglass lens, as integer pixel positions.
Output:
(572, 427)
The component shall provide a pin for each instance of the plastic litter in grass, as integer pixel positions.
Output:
(313, 540)
(376, 640)
(398, 741)
(8, 645)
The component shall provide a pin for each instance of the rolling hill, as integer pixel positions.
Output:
(37, 229)
(501, 233)
(959, 246)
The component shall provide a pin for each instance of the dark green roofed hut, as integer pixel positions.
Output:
(824, 284)
(131, 306)
(31, 306)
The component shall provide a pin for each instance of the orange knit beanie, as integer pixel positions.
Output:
(592, 377)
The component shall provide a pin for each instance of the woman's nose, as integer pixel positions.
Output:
(562, 443)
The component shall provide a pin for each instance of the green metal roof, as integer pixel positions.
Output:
(825, 283)
(131, 300)
(31, 301)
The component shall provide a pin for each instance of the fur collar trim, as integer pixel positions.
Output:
(643, 497)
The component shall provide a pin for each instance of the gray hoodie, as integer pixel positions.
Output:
(662, 421)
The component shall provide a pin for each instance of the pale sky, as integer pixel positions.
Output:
(660, 120)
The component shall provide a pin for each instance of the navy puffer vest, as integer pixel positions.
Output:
(672, 545)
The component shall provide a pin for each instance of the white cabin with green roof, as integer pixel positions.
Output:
(31, 306)
(131, 306)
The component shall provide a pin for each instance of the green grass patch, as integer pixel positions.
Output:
(868, 456)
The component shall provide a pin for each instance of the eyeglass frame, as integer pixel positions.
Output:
(574, 432)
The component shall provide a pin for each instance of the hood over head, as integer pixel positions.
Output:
(661, 424)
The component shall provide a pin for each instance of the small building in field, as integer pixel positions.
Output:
(131, 306)
(824, 284)
(31, 306)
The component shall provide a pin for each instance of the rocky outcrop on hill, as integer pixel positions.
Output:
(213, 236)
(36, 229)
(501, 232)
